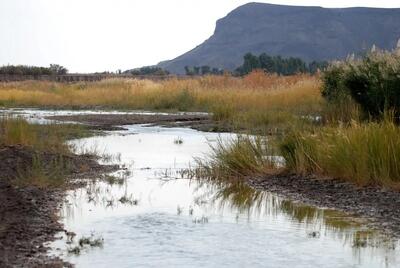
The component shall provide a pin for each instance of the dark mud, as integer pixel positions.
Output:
(381, 207)
(202, 122)
(28, 214)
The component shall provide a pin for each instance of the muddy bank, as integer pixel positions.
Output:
(202, 122)
(380, 206)
(28, 214)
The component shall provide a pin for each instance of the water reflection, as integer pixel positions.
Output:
(237, 195)
(242, 201)
(159, 216)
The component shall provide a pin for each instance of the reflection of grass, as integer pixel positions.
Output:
(91, 241)
(130, 200)
(201, 220)
(236, 194)
(307, 214)
(112, 180)
(74, 250)
(85, 241)
(372, 239)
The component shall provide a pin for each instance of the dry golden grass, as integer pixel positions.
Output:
(258, 98)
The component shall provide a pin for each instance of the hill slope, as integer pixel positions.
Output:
(311, 33)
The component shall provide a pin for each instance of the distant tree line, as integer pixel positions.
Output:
(54, 69)
(203, 70)
(279, 65)
(147, 70)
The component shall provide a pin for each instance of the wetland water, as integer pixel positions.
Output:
(148, 218)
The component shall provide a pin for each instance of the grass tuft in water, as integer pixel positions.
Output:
(129, 200)
(238, 157)
(178, 141)
(91, 241)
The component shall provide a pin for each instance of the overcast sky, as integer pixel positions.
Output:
(99, 35)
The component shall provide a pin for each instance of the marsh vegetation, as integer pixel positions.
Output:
(39, 154)
(320, 125)
(255, 101)
(341, 124)
(354, 136)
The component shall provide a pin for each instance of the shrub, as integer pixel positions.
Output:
(373, 82)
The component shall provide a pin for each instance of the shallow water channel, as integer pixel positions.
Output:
(149, 216)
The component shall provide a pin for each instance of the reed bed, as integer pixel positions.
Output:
(365, 154)
(258, 99)
(337, 144)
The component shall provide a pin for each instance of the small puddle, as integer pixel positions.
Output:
(149, 216)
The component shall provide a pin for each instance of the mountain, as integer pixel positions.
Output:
(310, 33)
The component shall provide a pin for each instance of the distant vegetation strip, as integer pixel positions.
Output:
(147, 70)
(279, 65)
(53, 69)
(256, 101)
(270, 64)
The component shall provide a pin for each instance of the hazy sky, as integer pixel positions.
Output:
(98, 35)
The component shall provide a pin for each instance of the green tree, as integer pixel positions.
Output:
(373, 82)
(205, 70)
(57, 69)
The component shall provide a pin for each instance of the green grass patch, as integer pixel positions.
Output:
(364, 154)
(41, 156)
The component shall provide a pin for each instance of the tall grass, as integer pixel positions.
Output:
(360, 153)
(365, 154)
(257, 100)
(41, 156)
(340, 146)
(47, 137)
(238, 157)
(343, 145)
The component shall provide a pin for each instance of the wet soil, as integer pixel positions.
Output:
(202, 122)
(28, 214)
(379, 205)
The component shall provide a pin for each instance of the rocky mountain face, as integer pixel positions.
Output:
(310, 33)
